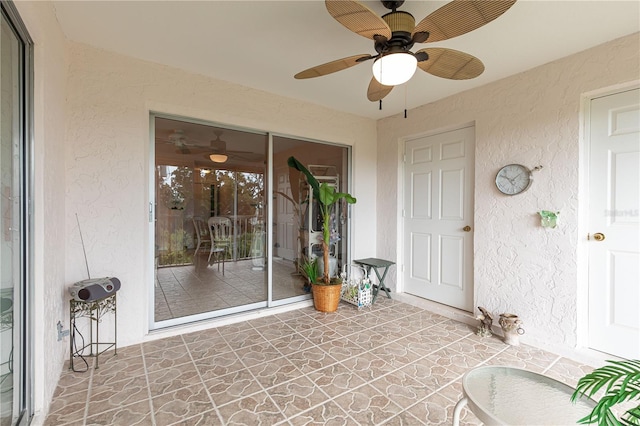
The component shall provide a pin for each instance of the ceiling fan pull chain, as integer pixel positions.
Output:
(405, 100)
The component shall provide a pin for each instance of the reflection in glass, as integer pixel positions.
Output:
(11, 259)
(209, 232)
(212, 256)
(297, 226)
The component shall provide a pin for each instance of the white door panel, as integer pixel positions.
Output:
(421, 251)
(421, 195)
(438, 204)
(285, 244)
(452, 184)
(451, 261)
(614, 211)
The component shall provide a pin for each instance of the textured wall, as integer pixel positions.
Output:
(107, 157)
(531, 118)
(49, 296)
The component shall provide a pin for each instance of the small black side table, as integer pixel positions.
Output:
(94, 311)
(375, 264)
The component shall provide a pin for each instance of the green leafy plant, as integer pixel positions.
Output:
(309, 268)
(621, 383)
(327, 196)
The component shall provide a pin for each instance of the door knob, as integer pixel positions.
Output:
(466, 228)
(598, 236)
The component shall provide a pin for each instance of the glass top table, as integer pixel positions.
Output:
(500, 395)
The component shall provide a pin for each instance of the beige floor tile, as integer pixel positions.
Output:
(327, 414)
(172, 379)
(297, 395)
(114, 395)
(367, 406)
(391, 364)
(230, 387)
(335, 379)
(184, 403)
(257, 409)
(274, 372)
(135, 414)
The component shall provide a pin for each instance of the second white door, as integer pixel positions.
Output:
(438, 217)
(286, 231)
(614, 224)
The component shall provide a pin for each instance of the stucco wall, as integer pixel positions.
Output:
(107, 157)
(532, 118)
(49, 295)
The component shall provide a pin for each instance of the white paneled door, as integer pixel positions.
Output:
(438, 217)
(286, 230)
(614, 224)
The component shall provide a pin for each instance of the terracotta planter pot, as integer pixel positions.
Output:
(326, 297)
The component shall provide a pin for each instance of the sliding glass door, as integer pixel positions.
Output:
(220, 247)
(14, 89)
(210, 241)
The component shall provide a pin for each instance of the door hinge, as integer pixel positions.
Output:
(150, 212)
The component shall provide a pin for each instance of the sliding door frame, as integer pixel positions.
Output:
(23, 315)
(269, 194)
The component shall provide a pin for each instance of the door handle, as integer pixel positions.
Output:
(598, 236)
(466, 228)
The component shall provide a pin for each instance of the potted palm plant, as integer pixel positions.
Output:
(326, 293)
(620, 381)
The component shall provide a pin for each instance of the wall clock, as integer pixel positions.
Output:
(513, 179)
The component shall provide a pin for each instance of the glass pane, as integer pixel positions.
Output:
(297, 227)
(209, 233)
(10, 253)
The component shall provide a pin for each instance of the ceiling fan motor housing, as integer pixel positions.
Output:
(392, 5)
(401, 25)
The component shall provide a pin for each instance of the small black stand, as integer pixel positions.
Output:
(94, 310)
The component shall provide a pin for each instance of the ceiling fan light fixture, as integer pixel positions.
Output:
(218, 158)
(394, 68)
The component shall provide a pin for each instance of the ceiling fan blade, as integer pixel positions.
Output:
(331, 67)
(358, 18)
(451, 64)
(461, 16)
(377, 91)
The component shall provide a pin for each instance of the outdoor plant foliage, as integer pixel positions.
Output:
(620, 383)
(327, 197)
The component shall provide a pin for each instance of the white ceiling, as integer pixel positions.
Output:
(262, 44)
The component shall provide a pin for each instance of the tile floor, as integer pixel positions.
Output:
(394, 364)
(192, 289)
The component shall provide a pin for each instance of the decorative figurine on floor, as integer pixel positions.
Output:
(486, 320)
(511, 328)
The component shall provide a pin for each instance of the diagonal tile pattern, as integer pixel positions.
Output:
(393, 364)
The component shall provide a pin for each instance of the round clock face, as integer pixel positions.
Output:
(513, 179)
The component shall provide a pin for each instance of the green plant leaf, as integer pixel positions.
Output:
(632, 416)
(311, 180)
(621, 382)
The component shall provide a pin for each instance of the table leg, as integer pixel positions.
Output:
(381, 284)
(457, 410)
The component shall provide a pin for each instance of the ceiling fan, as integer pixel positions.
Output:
(218, 150)
(215, 150)
(179, 139)
(395, 33)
